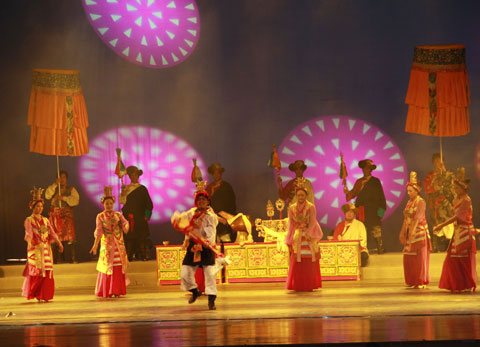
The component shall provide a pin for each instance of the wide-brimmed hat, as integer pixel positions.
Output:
(297, 164)
(133, 169)
(214, 167)
(366, 163)
(349, 207)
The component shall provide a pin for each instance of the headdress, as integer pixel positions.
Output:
(200, 191)
(214, 167)
(133, 169)
(460, 180)
(107, 194)
(297, 164)
(301, 184)
(36, 197)
(349, 207)
(366, 163)
(414, 182)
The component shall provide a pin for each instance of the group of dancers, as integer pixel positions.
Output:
(303, 235)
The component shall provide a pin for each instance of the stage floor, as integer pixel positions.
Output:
(368, 310)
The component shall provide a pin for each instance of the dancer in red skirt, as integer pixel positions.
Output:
(415, 238)
(303, 235)
(113, 260)
(39, 234)
(459, 268)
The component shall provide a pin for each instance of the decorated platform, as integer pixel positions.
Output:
(265, 262)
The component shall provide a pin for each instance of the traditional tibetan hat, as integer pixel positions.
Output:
(460, 180)
(215, 167)
(200, 191)
(349, 207)
(366, 163)
(301, 184)
(413, 182)
(297, 164)
(133, 169)
(36, 197)
(107, 194)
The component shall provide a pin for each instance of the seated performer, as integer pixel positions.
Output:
(370, 202)
(288, 192)
(459, 268)
(415, 238)
(38, 273)
(302, 238)
(113, 261)
(61, 215)
(352, 229)
(204, 222)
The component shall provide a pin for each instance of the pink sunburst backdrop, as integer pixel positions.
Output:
(319, 142)
(166, 161)
(151, 33)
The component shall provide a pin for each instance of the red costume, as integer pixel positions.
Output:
(303, 235)
(38, 272)
(459, 268)
(416, 251)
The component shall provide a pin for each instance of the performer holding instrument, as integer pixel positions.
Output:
(370, 202)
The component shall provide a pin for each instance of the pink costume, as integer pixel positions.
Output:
(416, 251)
(459, 268)
(38, 273)
(112, 261)
(303, 235)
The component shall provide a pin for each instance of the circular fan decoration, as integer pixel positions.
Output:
(166, 161)
(319, 142)
(151, 33)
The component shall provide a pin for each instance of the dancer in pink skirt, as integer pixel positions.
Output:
(303, 235)
(415, 238)
(112, 261)
(459, 268)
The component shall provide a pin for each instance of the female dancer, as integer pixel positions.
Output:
(415, 238)
(459, 268)
(38, 273)
(303, 235)
(113, 261)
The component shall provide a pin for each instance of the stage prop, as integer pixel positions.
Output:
(57, 114)
(319, 143)
(264, 262)
(438, 94)
(164, 158)
(151, 33)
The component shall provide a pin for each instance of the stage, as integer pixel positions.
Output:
(377, 308)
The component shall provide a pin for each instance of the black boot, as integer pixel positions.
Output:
(435, 243)
(380, 249)
(211, 302)
(195, 294)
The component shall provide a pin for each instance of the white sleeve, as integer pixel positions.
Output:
(363, 234)
(210, 227)
(73, 199)
(50, 192)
